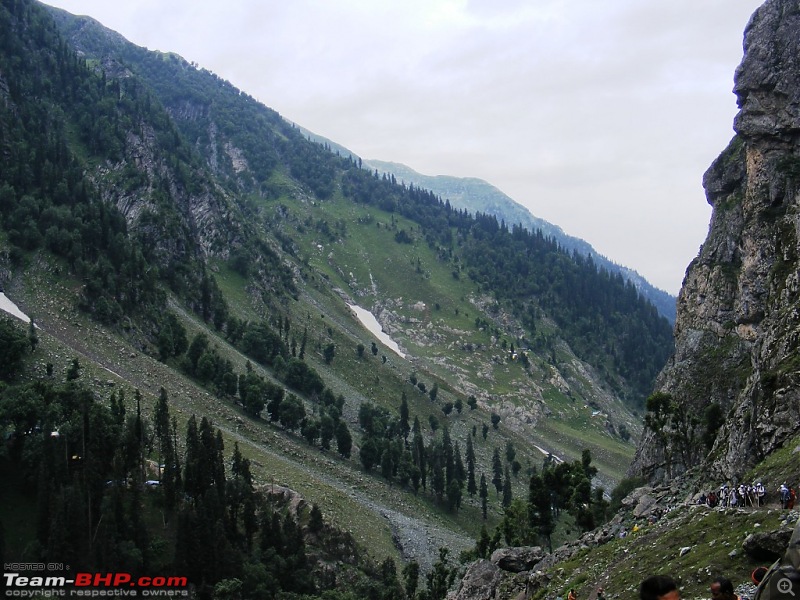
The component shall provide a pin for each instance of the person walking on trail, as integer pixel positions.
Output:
(572, 595)
(722, 589)
(783, 491)
(600, 594)
(659, 587)
(761, 492)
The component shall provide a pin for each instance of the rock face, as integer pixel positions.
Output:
(738, 322)
(767, 546)
(517, 560)
(480, 581)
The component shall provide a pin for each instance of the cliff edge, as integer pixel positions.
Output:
(729, 395)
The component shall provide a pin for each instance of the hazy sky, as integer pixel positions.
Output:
(600, 117)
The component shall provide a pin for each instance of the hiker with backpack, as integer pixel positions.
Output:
(785, 495)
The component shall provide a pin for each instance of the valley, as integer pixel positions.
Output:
(187, 255)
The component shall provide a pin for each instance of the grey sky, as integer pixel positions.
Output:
(600, 117)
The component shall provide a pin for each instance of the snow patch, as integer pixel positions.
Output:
(8, 306)
(369, 321)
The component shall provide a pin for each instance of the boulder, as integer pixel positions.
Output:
(632, 499)
(767, 546)
(517, 560)
(536, 581)
(480, 581)
(644, 506)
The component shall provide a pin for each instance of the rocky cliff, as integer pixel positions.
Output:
(730, 392)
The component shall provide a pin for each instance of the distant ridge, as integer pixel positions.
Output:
(477, 195)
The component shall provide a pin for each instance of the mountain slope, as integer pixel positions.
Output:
(478, 196)
(725, 410)
(203, 107)
(169, 232)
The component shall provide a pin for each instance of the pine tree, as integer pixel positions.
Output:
(448, 456)
(453, 495)
(166, 454)
(218, 462)
(497, 471)
(483, 547)
(411, 578)
(161, 420)
(437, 467)
(118, 410)
(405, 428)
(302, 353)
(387, 464)
(191, 475)
(440, 578)
(484, 493)
(507, 493)
(33, 336)
(392, 590)
(472, 487)
(344, 441)
(327, 429)
(315, 522)
(74, 370)
(511, 453)
(418, 452)
(459, 473)
(539, 508)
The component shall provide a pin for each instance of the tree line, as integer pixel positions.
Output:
(114, 486)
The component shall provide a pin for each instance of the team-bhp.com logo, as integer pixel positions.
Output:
(21, 585)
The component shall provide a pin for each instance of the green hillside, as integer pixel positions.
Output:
(173, 240)
(478, 196)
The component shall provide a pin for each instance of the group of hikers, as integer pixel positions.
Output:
(744, 495)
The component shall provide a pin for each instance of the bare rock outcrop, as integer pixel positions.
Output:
(517, 560)
(738, 322)
(767, 545)
(480, 581)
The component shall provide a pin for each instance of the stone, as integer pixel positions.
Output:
(479, 582)
(517, 560)
(767, 546)
(644, 506)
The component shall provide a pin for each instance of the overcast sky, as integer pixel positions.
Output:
(600, 117)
